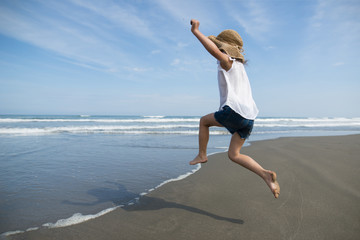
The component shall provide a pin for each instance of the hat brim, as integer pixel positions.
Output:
(232, 51)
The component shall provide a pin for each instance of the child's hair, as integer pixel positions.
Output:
(243, 61)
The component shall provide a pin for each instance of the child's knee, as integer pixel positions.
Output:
(232, 155)
(204, 121)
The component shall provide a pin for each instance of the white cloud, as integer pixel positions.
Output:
(182, 45)
(317, 18)
(74, 33)
(268, 48)
(337, 64)
(253, 16)
(175, 62)
(184, 10)
(156, 51)
(333, 31)
(121, 15)
(138, 69)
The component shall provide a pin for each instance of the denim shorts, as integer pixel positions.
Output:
(234, 122)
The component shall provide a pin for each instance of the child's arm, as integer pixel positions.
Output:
(225, 62)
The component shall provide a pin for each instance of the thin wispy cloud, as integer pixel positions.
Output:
(85, 33)
(253, 16)
(337, 64)
(156, 51)
(183, 11)
(139, 69)
(120, 15)
(175, 62)
(58, 36)
(334, 31)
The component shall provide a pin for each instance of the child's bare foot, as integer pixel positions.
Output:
(197, 160)
(273, 184)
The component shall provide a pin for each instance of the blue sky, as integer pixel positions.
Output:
(139, 57)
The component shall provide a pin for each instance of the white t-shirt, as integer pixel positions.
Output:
(235, 90)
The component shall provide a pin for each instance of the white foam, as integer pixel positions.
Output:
(162, 119)
(183, 176)
(32, 229)
(17, 232)
(140, 120)
(159, 125)
(307, 122)
(180, 177)
(226, 148)
(77, 218)
(306, 119)
(154, 116)
(310, 125)
(11, 233)
(160, 129)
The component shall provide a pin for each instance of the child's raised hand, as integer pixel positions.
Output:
(194, 24)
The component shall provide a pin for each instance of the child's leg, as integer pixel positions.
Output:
(249, 163)
(205, 123)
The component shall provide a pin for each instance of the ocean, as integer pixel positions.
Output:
(60, 170)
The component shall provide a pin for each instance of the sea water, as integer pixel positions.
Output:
(60, 170)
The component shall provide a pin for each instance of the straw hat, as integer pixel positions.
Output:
(231, 43)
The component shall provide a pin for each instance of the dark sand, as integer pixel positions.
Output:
(320, 199)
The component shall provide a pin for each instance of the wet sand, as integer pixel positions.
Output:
(320, 198)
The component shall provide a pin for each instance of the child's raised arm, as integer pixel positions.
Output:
(225, 62)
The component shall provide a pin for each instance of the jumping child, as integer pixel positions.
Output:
(237, 110)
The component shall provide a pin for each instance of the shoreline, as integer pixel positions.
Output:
(144, 199)
(78, 218)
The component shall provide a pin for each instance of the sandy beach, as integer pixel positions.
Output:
(320, 198)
